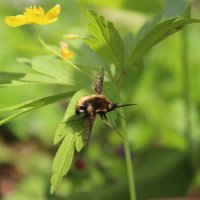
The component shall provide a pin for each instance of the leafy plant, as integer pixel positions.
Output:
(113, 50)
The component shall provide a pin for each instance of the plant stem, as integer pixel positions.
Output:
(186, 84)
(128, 160)
(129, 165)
(193, 147)
(50, 49)
(53, 51)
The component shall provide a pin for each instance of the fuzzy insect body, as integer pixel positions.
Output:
(89, 106)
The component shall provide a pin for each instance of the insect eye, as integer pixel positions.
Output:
(110, 106)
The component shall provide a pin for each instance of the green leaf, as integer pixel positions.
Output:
(62, 160)
(76, 125)
(105, 40)
(54, 68)
(47, 70)
(176, 8)
(33, 104)
(37, 78)
(129, 41)
(60, 133)
(8, 77)
(72, 132)
(7, 119)
(30, 78)
(110, 91)
(79, 142)
(156, 34)
(51, 70)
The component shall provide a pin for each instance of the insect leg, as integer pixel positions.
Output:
(110, 125)
(120, 115)
(103, 116)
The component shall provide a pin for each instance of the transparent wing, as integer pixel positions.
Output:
(99, 83)
(89, 125)
(98, 89)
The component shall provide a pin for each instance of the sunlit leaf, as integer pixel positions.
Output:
(62, 160)
(71, 129)
(71, 122)
(47, 70)
(37, 78)
(154, 32)
(79, 142)
(7, 119)
(33, 104)
(29, 79)
(105, 40)
(8, 77)
(51, 70)
(60, 133)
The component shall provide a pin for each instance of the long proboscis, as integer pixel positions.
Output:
(130, 104)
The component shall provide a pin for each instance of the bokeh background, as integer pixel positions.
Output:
(163, 129)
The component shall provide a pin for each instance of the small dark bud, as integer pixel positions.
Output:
(80, 164)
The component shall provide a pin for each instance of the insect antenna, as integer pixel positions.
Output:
(130, 104)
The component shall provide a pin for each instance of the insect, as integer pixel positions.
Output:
(96, 104)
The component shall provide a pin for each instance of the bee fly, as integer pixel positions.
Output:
(97, 104)
(90, 106)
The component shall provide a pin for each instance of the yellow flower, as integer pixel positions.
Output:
(34, 15)
(65, 52)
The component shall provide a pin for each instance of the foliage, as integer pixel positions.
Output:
(119, 55)
(106, 40)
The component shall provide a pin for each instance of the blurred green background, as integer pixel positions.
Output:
(163, 129)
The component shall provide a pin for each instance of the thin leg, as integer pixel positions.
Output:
(120, 115)
(111, 126)
(103, 116)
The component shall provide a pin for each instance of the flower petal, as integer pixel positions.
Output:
(35, 15)
(52, 14)
(15, 21)
(65, 52)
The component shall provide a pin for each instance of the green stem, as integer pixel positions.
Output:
(128, 160)
(46, 46)
(193, 147)
(129, 164)
(50, 49)
(186, 84)
(55, 52)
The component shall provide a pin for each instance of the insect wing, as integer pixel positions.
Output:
(99, 85)
(89, 125)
